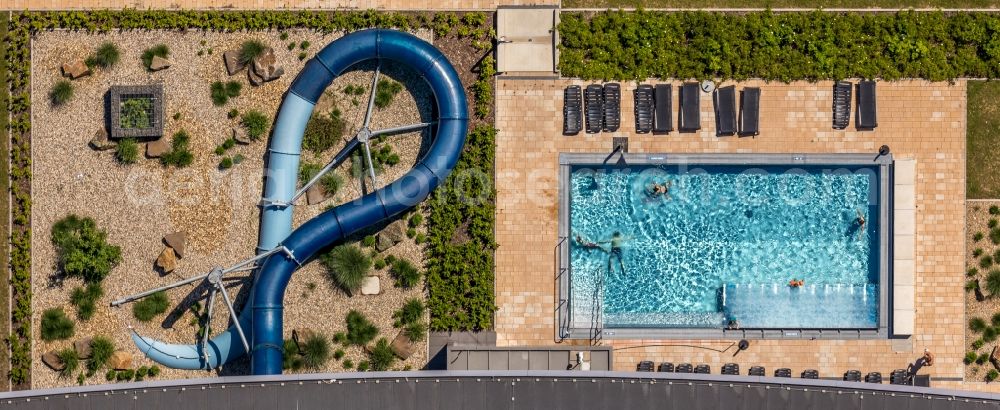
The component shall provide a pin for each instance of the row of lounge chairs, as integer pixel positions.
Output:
(865, 117)
(898, 376)
(599, 110)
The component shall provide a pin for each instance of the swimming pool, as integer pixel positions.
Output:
(720, 248)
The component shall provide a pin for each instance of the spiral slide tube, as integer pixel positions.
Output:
(262, 315)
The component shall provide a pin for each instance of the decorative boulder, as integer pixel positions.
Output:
(100, 141)
(82, 347)
(156, 149)
(176, 242)
(232, 61)
(371, 286)
(167, 261)
(254, 78)
(52, 360)
(240, 136)
(299, 336)
(402, 346)
(995, 357)
(265, 67)
(158, 63)
(391, 235)
(315, 194)
(75, 69)
(120, 360)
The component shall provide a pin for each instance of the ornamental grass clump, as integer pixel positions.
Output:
(256, 124)
(127, 151)
(85, 300)
(83, 250)
(155, 304)
(347, 266)
(315, 352)
(360, 330)
(159, 50)
(56, 326)
(381, 356)
(250, 50)
(407, 275)
(61, 93)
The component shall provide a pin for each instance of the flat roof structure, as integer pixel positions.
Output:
(526, 39)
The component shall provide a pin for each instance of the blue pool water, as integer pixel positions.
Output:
(724, 245)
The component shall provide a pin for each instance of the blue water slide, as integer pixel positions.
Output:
(262, 315)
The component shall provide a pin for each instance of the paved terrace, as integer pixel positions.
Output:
(917, 119)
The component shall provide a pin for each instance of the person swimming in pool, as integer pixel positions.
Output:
(616, 242)
(588, 244)
(656, 190)
(860, 221)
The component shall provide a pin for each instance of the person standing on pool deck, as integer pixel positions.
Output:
(616, 242)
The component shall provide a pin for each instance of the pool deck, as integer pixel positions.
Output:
(917, 119)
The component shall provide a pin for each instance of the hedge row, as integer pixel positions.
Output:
(818, 45)
(461, 241)
(470, 26)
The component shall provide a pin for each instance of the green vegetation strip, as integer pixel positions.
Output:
(460, 249)
(4, 199)
(790, 46)
(983, 136)
(472, 304)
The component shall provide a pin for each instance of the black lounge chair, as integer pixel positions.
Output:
(852, 376)
(841, 105)
(643, 99)
(810, 374)
(749, 112)
(684, 368)
(572, 110)
(731, 369)
(666, 367)
(612, 107)
(593, 98)
(873, 377)
(783, 372)
(663, 123)
(757, 371)
(689, 116)
(703, 369)
(866, 118)
(724, 100)
(900, 377)
(644, 366)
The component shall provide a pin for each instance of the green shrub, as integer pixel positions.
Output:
(315, 352)
(291, 46)
(106, 56)
(303, 55)
(992, 223)
(331, 183)
(381, 355)
(233, 88)
(978, 236)
(990, 334)
(994, 210)
(159, 50)
(83, 250)
(978, 344)
(290, 357)
(407, 275)
(977, 324)
(56, 326)
(61, 92)
(222, 92)
(996, 255)
(256, 124)
(970, 357)
(228, 143)
(411, 233)
(323, 132)
(102, 348)
(355, 90)
(411, 311)
(971, 285)
(348, 364)
(338, 354)
(992, 375)
(995, 319)
(417, 331)
(385, 91)
(140, 373)
(110, 375)
(995, 236)
(993, 282)
(219, 150)
(363, 366)
(416, 219)
(982, 358)
(986, 261)
(972, 272)
(347, 266)
(379, 263)
(283, 35)
(70, 359)
(226, 163)
(127, 151)
(147, 308)
(233, 113)
(154, 371)
(977, 252)
(180, 154)
(250, 50)
(238, 158)
(304, 44)
(339, 337)
(420, 239)
(360, 330)
(369, 241)
(85, 299)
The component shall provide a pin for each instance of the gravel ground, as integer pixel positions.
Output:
(138, 204)
(977, 220)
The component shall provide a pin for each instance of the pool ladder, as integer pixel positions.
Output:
(596, 319)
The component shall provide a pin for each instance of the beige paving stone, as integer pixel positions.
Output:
(795, 118)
